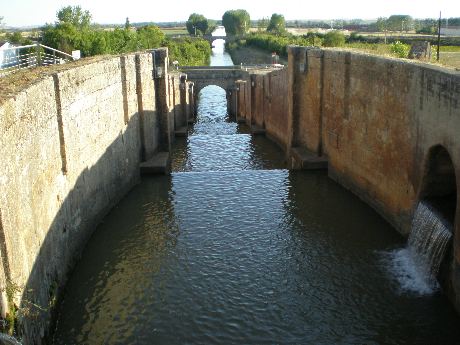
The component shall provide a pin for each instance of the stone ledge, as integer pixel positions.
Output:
(307, 160)
(158, 164)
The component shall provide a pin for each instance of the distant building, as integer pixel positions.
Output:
(8, 57)
(451, 31)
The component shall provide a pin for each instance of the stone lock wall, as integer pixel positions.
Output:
(71, 144)
(377, 120)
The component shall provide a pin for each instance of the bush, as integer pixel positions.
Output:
(334, 39)
(399, 49)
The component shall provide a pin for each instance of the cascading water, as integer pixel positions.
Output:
(417, 265)
(428, 239)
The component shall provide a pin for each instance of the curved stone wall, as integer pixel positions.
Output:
(376, 120)
(71, 143)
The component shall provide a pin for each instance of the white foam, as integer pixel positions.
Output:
(411, 276)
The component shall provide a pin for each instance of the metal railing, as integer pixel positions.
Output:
(234, 67)
(29, 56)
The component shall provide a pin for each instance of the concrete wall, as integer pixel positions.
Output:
(71, 144)
(378, 121)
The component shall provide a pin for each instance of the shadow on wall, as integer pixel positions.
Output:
(64, 242)
(64, 169)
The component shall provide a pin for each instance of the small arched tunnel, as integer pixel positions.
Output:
(439, 186)
(439, 189)
(212, 100)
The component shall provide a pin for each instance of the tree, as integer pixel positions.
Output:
(15, 37)
(75, 16)
(399, 22)
(127, 24)
(277, 24)
(197, 24)
(381, 24)
(334, 38)
(236, 22)
(149, 37)
(262, 24)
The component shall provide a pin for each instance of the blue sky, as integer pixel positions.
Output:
(38, 12)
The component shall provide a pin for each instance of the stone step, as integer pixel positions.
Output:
(158, 164)
(181, 131)
(255, 129)
(306, 160)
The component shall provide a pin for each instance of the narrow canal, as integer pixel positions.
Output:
(232, 248)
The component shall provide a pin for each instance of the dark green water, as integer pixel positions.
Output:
(232, 248)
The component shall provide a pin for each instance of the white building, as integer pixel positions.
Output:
(451, 31)
(8, 57)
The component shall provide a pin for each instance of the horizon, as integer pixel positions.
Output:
(28, 13)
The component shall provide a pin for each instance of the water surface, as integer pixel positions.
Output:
(232, 248)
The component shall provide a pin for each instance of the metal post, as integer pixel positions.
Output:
(439, 36)
(37, 47)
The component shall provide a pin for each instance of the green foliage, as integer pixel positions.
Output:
(71, 33)
(189, 52)
(381, 24)
(354, 37)
(399, 22)
(75, 16)
(275, 43)
(197, 24)
(149, 37)
(334, 39)
(236, 22)
(16, 38)
(277, 24)
(399, 49)
(262, 24)
(430, 30)
(63, 36)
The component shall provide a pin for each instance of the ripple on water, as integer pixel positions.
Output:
(225, 251)
(231, 257)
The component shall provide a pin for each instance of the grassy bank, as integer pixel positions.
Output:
(250, 55)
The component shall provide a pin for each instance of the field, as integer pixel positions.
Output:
(175, 31)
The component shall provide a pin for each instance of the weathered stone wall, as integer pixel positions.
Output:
(257, 100)
(71, 145)
(276, 106)
(378, 121)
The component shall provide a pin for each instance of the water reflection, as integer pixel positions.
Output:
(233, 248)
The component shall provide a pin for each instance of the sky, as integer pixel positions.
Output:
(38, 12)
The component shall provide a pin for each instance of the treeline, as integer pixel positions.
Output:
(276, 43)
(73, 31)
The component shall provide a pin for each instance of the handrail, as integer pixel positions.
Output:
(39, 45)
(55, 50)
(234, 67)
(15, 58)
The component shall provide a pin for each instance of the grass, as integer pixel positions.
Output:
(455, 49)
(449, 55)
(174, 31)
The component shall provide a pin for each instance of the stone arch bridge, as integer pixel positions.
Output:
(228, 39)
(223, 76)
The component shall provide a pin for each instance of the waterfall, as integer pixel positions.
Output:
(416, 266)
(428, 239)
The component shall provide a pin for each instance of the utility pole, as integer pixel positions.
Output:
(439, 36)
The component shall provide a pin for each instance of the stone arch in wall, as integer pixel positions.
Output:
(225, 84)
(439, 185)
